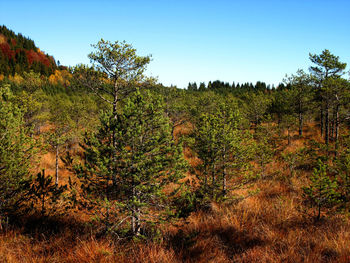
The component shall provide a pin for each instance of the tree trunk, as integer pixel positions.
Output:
(336, 137)
(256, 122)
(114, 141)
(321, 121)
(115, 99)
(133, 215)
(135, 221)
(319, 213)
(288, 135)
(224, 191)
(300, 124)
(205, 181)
(326, 131)
(224, 179)
(57, 155)
(43, 205)
(213, 180)
(107, 224)
(332, 123)
(138, 222)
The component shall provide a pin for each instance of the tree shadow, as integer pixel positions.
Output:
(49, 227)
(189, 245)
(236, 242)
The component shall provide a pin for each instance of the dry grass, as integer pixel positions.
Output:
(272, 225)
(268, 227)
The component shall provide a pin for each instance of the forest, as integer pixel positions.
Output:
(100, 163)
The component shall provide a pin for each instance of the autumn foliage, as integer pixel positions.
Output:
(19, 54)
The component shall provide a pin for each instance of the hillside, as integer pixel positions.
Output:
(19, 54)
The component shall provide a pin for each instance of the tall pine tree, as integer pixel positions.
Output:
(16, 150)
(147, 160)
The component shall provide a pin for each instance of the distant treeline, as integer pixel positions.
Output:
(221, 86)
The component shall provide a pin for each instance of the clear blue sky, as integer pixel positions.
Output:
(241, 41)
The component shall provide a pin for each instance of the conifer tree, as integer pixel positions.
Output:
(117, 69)
(61, 131)
(146, 161)
(120, 63)
(322, 191)
(16, 150)
(301, 96)
(44, 191)
(256, 109)
(326, 66)
(219, 144)
(263, 147)
(202, 86)
(343, 179)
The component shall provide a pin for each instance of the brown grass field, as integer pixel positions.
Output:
(272, 225)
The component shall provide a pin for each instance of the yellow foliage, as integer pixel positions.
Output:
(60, 77)
(106, 80)
(2, 39)
(17, 79)
(56, 77)
(53, 79)
(2, 77)
(66, 74)
(40, 52)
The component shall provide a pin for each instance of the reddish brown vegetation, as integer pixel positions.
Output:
(18, 57)
(34, 56)
(271, 225)
(7, 51)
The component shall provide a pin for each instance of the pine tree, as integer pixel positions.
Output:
(44, 191)
(257, 107)
(343, 179)
(202, 86)
(116, 72)
(16, 151)
(62, 130)
(322, 191)
(301, 96)
(119, 62)
(263, 147)
(326, 66)
(219, 144)
(147, 160)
